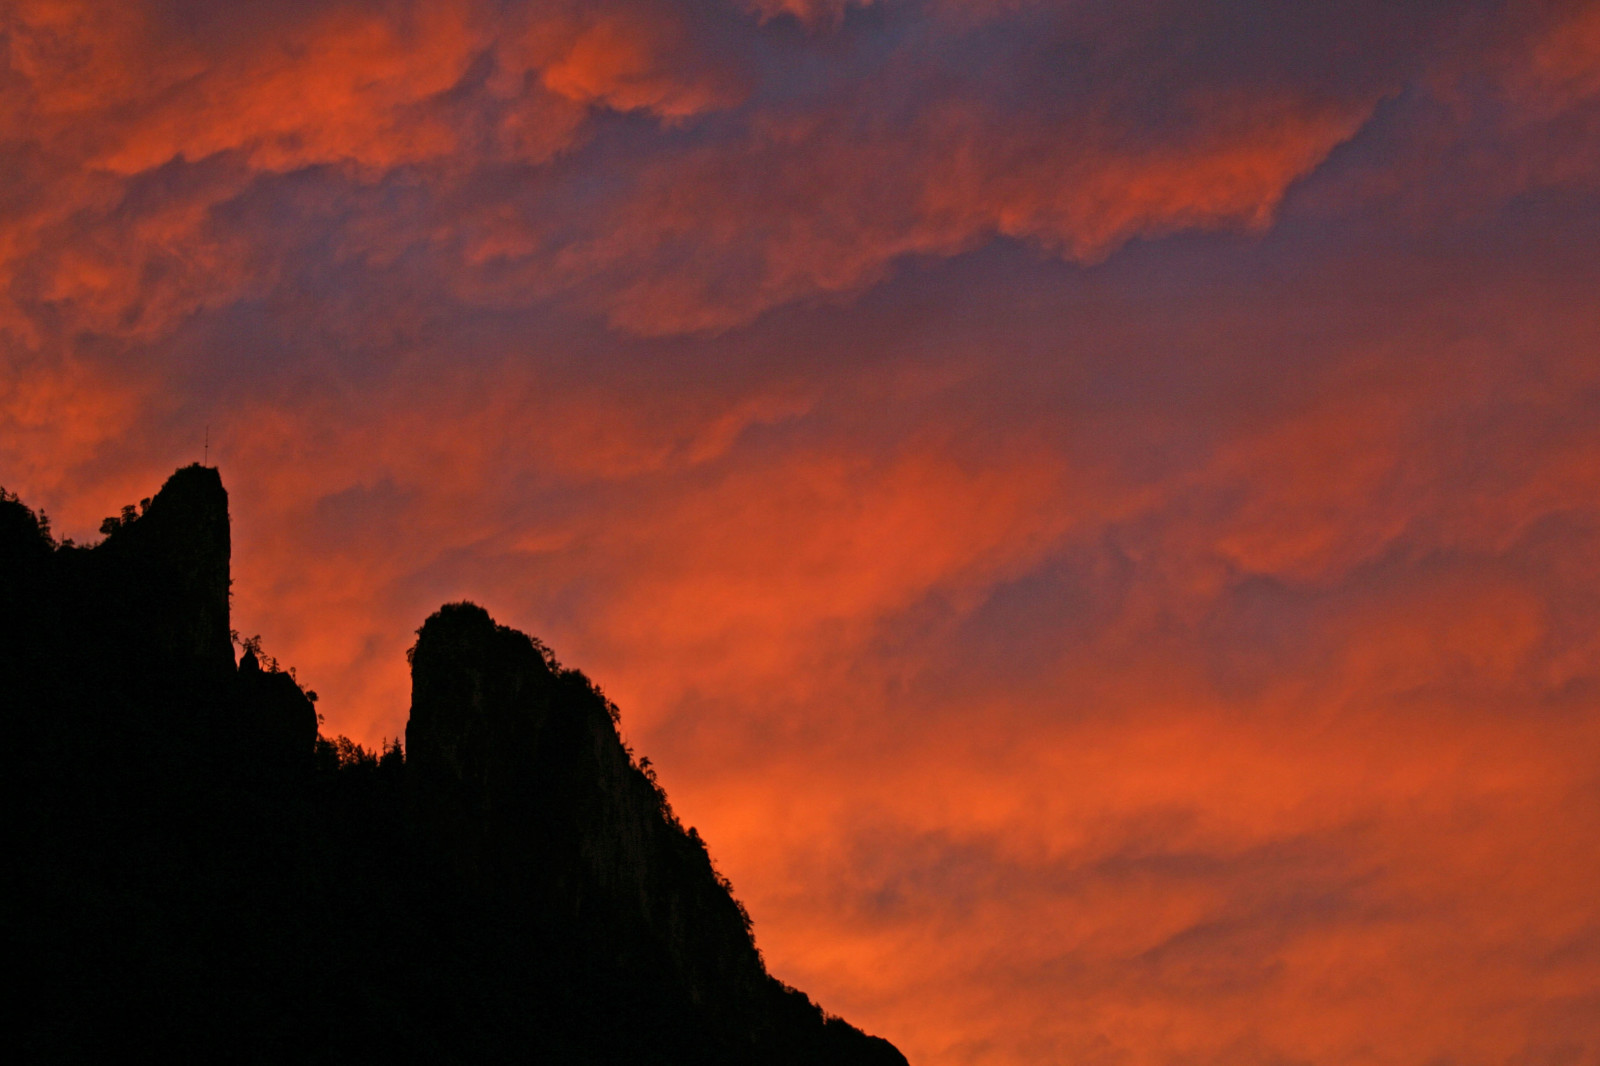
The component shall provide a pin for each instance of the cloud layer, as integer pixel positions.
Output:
(1090, 507)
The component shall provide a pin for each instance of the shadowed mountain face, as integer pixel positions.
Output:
(199, 874)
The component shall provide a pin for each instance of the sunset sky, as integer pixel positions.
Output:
(1092, 508)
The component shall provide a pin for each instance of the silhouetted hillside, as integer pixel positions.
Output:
(200, 875)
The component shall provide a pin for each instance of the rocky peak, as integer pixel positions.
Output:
(219, 875)
(171, 566)
(480, 696)
(520, 782)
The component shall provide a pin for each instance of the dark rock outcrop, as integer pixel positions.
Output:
(119, 658)
(274, 723)
(521, 786)
(197, 874)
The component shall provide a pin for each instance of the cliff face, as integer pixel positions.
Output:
(168, 574)
(121, 655)
(518, 776)
(201, 875)
(520, 783)
(148, 604)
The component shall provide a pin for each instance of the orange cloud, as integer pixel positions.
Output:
(622, 64)
(1091, 511)
(793, 204)
(1139, 859)
(1560, 66)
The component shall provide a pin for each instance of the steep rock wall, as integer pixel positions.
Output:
(519, 781)
(200, 876)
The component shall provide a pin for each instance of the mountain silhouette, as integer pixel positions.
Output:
(198, 874)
